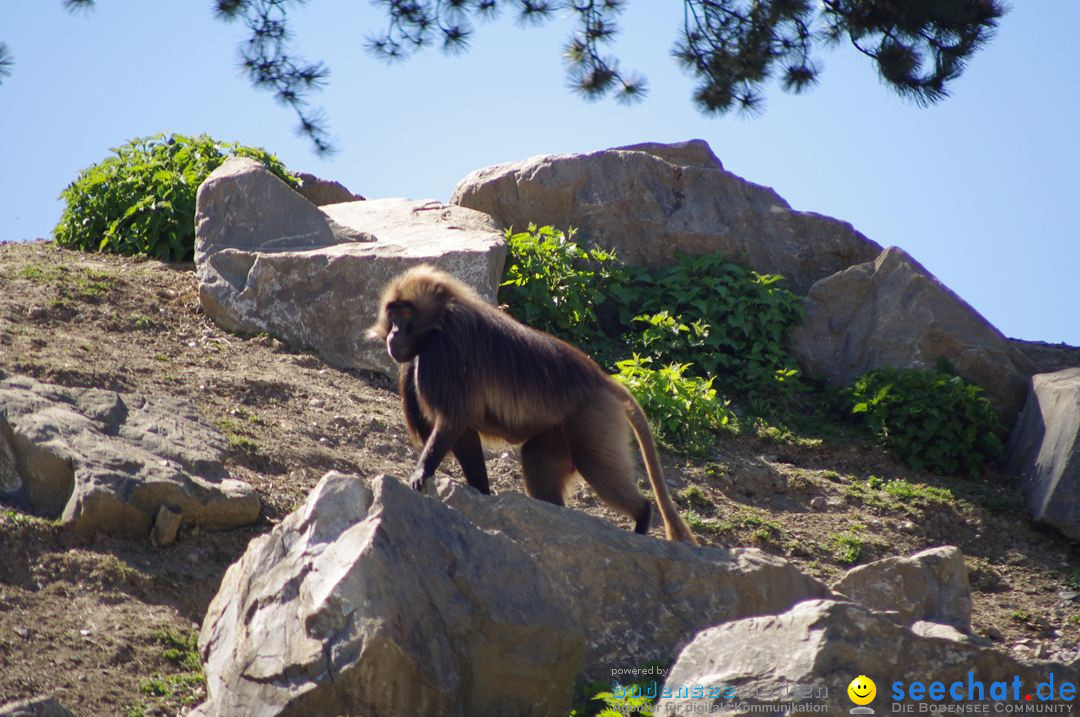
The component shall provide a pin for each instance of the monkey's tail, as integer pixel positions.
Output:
(675, 526)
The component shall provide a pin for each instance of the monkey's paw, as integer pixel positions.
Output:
(417, 481)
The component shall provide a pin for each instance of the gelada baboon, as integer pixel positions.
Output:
(468, 370)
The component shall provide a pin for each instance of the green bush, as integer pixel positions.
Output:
(553, 284)
(932, 420)
(142, 200)
(684, 411)
(726, 320)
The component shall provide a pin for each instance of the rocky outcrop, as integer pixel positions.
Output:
(384, 601)
(803, 661)
(100, 460)
(321, 192)
(893, 312)
(1044, 450)
(598, 567)
(270, 261)
(651, 201)
(929, 586)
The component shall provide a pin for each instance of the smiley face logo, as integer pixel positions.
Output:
(862, 690)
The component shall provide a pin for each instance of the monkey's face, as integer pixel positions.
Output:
(403, 339)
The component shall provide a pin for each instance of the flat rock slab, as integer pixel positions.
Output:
(893, 312)
(100, 460)
(651, 201)
(270, 261)
(1044, 450)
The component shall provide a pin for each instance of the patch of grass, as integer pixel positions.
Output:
(1070, 579)
(697, 523)
(1074, 620)
(902, 490)
(14, 518)
(696, 498)
(1020, 615)
(167, 692)
(116, 570)
(70, 283)
(846, 547)
(898, 494)
(242, 443)
(750, 527)
(714, 470)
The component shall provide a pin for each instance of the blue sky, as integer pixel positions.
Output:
(982, 188)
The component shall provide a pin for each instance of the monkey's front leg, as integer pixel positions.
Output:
(438, 444)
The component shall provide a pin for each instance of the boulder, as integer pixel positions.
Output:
(321, 191)
(36, 707)
(1044, 450)
(638, 599)
(385, 601)
(804, 660)
(270, 261)
(652, 201)
(100, 460)
(893, 312)
(930, 586)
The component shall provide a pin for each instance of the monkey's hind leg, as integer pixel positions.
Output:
(599, 439)
(547, 466)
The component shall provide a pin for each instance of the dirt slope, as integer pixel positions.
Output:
(105, 625)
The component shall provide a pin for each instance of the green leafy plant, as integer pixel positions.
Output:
(685, 411)
(141, 201)
(728, 321)
(847, 547)
(932, 420)
(635, 699)
(554, 284)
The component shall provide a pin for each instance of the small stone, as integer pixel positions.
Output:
(818, 503)
(166, 526)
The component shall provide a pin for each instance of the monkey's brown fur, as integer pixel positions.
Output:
(468, 370)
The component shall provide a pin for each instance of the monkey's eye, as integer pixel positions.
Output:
(400, 312)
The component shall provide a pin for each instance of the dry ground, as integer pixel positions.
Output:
(105, 625)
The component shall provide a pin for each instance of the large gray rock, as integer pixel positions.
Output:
(931, 586)
(270, 261)
(652, 201)
(893, 312)
(1044, 450)
(36, 707)
(383, 602)
(100, 460)
(389, 602)
(639, 599)
(804, 660)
